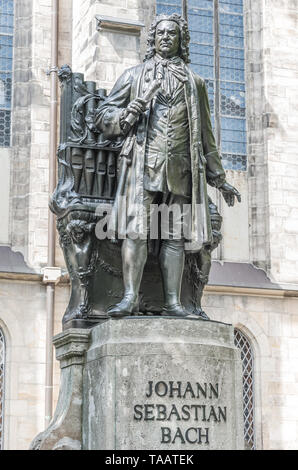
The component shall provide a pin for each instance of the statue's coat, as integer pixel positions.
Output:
(206, 164)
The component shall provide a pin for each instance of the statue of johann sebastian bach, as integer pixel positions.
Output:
(168, 156)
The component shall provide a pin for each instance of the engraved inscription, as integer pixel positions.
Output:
(198, 414)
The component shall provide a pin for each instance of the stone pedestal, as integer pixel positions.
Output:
(65, 429)
(148, 383)
(162, 383)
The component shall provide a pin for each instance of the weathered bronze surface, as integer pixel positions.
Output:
(149, 141)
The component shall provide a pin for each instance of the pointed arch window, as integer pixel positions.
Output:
(247, 358)
(217, 55)
(2, 383)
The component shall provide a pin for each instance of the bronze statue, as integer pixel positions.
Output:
(149, 143)
(169, 155)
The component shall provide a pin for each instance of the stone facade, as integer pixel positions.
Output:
(272, 69)
(30, 131)
(30, 125)
(271, 325)
(263, 230)
(4, 195)
(104, 55)
(22, 321)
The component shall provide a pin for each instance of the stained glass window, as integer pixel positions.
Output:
(6, 54)
(2, 372)
(232, 84)
(217, 55)
(242, 342)
(200, 22)
(167, 7)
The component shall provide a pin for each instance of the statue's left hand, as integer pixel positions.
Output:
(229, 193)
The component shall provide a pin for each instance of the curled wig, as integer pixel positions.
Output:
(184, 36)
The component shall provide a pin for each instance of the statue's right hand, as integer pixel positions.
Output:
(136, 107)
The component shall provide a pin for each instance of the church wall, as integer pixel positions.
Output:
(272, 117)
(103, 55)
(281, 72)
(23, 322)
(30, 131)
(271, 324)
(4, 195)
(30, 124)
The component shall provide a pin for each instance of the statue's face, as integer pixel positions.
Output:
(167, 39)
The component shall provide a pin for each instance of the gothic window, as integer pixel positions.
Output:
(2, 376)
(217, 55)
(6, 53)
(242, 342)
(167, 7)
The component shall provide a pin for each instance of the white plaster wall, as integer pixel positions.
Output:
(23, 321)
(272, 326)
(22, 318)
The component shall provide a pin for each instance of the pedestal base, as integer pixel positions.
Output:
(65, 429)
(162, 384)
(159, 384)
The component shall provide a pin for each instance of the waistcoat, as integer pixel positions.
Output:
(167, 154)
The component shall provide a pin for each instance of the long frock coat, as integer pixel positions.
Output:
(206, 167)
